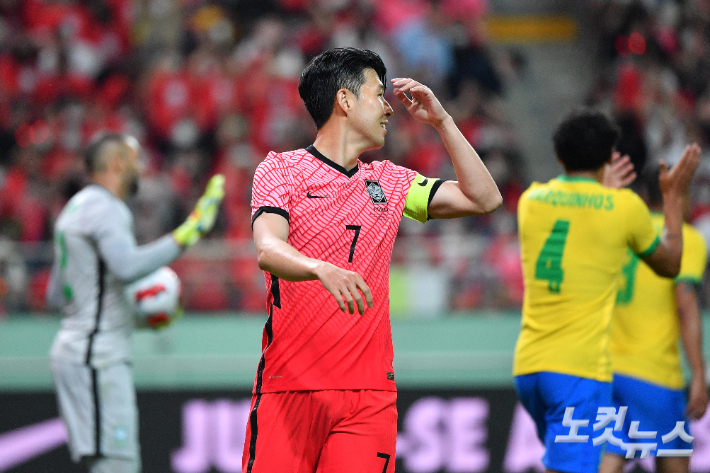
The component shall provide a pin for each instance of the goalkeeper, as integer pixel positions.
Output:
(95, 256)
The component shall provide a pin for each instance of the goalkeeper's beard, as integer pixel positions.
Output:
(132, 186)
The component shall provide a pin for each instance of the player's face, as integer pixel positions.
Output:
(371, 112)
(131, 171)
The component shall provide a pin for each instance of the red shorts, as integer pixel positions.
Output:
(321, 432)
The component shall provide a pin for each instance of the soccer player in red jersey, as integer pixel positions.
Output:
(324, 224)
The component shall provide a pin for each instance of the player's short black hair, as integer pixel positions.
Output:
(332, 70)
(585, 140)
(648, 186)
(94, 157)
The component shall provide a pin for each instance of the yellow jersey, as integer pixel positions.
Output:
(574, 234)
(645, 328)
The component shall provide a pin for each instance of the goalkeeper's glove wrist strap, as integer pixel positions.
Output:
(187, 234)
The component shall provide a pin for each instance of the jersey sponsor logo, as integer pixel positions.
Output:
(311, 196)
(377, 195)
(390, 376)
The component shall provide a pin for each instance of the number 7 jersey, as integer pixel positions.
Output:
(574, 234)
(348, 218)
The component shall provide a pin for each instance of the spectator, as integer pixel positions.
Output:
(209, 88)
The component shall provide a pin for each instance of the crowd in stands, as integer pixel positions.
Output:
(655, 80)
(210, 87)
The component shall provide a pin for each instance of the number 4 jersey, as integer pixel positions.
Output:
(348, 218)
(574, 234)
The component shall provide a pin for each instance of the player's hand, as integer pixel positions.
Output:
(202, 218)
(619, 172)
(424, 106)
(674, 183)
(347, 285)
(697, 399)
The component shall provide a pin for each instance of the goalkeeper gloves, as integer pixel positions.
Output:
(202, 218)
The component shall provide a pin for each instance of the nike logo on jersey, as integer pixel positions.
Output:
(311, 196)
(424, 182)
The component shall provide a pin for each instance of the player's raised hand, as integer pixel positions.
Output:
(676, 181)
(424, 106)
(345, 285)
(619, 172)
(203, 217)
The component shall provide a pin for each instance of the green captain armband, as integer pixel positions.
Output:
(419, 196)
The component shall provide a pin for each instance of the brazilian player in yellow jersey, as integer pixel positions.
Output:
(651, 315)
(574, 234)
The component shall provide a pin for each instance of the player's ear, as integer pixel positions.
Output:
(343, 100)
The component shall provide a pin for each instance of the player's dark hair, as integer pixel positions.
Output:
(332, 70)
(585, 140)
(94, 158)
(649, 187)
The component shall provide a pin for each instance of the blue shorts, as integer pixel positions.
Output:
(655, 408)
(546, 395)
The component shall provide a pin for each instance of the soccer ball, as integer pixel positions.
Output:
(155, 298)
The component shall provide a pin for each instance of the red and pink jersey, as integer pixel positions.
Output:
(349, 219)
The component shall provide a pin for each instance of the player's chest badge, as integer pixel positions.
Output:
(377, 195)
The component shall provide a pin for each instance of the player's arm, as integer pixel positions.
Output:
(691, 334)
(475, 192)
(128, 262)
(665, 259)
(278, 257)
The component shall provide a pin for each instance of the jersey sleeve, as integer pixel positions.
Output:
(421, 192)
(117, 245)
(642, 237)
(695, 257)
(271, 189)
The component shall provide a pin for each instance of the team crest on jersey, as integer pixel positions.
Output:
(377, 195)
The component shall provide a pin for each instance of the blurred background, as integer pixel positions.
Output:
(210, 86)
